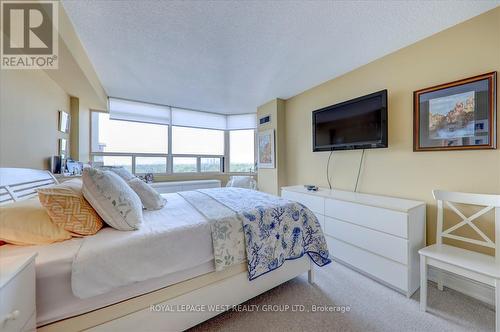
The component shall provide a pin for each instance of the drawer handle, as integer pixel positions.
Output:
(12, 316)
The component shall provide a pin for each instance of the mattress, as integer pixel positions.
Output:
(55, 299)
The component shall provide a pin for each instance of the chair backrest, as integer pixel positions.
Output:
(242, 181)
(490, 202)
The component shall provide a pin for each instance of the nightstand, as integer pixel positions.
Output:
(17, 293)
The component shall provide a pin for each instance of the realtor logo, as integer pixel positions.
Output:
(29, 38)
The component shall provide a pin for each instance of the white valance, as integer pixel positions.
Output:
(120, 109)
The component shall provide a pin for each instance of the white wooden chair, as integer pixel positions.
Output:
(243, 181)
(469, 264)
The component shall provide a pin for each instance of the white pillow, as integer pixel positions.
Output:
(119, 170)
(150, 198)
(112, 198)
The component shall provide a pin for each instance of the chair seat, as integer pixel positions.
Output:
(466, 259)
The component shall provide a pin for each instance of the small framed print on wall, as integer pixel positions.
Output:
(64, 122)
(459, 115)
(63, 148)
(266, 149)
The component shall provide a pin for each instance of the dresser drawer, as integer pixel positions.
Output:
(18, 295)
(383, 244)
(315, 204)
(384, 220)
(385, 270)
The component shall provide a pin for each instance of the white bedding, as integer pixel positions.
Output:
(174, 238)
(185, 244)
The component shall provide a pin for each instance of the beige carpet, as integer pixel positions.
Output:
(373, 307)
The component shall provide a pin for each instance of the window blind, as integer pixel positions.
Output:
(197, 119)
(120, 109)
(242, 121)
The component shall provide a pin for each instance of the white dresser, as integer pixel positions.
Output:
(377, 235)
(17, 293)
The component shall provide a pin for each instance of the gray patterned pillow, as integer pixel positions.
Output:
(112, 198)
(150, 198)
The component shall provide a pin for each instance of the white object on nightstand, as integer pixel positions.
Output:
(17, 293)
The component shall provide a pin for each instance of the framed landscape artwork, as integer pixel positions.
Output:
(459, 115)
(266, 149)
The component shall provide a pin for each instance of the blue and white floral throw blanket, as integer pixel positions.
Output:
(263, 229)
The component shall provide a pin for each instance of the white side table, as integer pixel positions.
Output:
(17, 293)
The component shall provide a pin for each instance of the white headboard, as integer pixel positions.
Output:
(20, 183)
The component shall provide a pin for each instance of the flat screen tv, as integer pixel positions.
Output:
(359, 123)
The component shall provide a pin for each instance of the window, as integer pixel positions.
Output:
(124, 161)
(197, 141)
(210, 165)
(149, 138)
(242, 150)
(184, 165)
(150, 165)
(127, 136)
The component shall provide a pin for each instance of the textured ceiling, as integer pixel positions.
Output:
(231, 56)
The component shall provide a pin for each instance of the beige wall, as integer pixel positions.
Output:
(30, 100)
(80, 130)
(272, 179)
(468, 49)
(29, 104)
(84, 132)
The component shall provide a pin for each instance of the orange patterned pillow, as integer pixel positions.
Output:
(68, 208)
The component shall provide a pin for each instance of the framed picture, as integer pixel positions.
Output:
(266, 149)
(63, 148)
(64, 121)
(460, 115)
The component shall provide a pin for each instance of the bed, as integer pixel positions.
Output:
(191, 284)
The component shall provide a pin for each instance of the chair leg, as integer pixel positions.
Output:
(440, 280)
(423, 283)
(497, 304)
(310, 275)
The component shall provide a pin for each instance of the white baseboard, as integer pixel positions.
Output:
(472, 288)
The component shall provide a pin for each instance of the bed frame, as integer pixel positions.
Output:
(20, 183)
(174, 308)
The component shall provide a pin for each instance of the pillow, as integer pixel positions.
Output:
(27, 223)
(68, 208)
(120, 171)
(112, 198)
(150, 198)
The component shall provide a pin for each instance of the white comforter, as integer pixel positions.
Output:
(174, 238)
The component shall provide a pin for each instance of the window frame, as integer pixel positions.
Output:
(224, 159)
